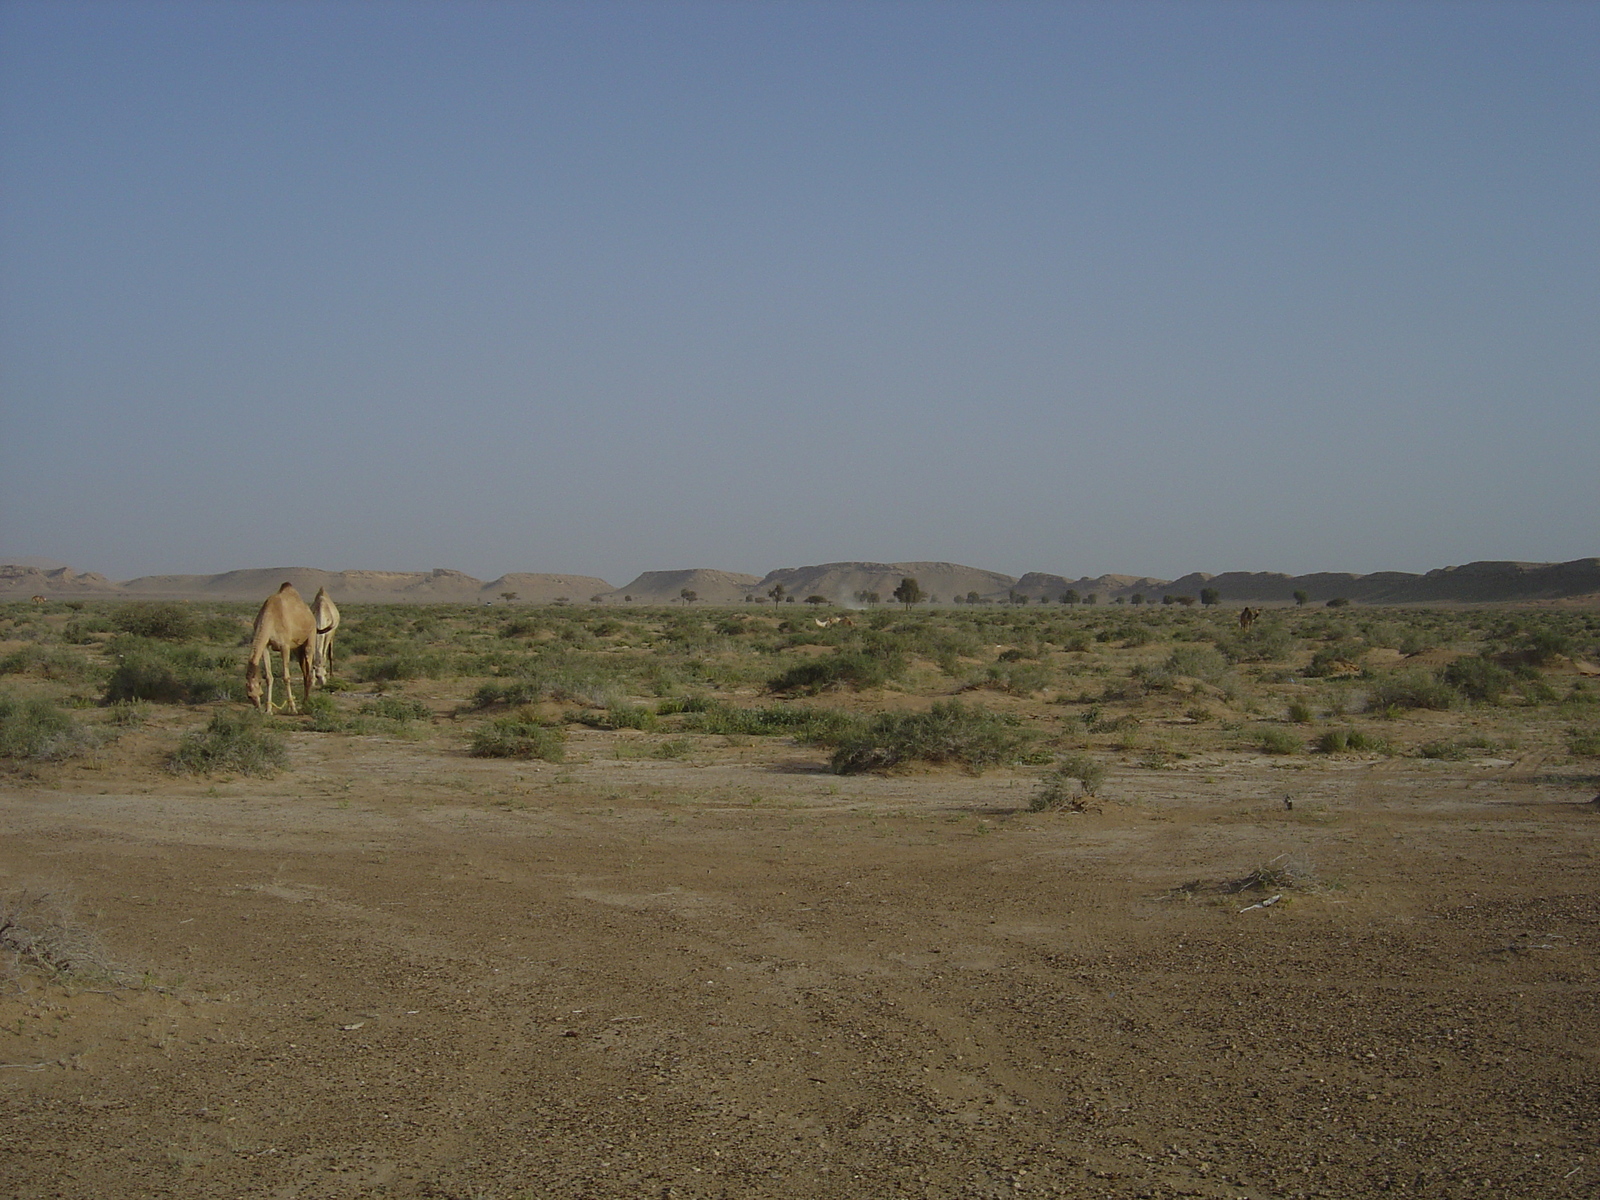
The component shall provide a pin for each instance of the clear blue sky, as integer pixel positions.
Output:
(604, 287)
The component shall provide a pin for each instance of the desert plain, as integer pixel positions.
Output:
(561, 901)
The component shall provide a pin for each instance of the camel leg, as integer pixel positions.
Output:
(308, 656)
(288, 688)
(266, 669)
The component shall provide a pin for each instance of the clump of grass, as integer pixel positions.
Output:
(1280, 874)
(1442, 749)
(1018, 678)
(238, 742)
(1350, 741)
(396, 708)
(36, 729)
(673, 748)
(1281, 741)
(815, 725)
(1583, 743)
(673, 705)
(1300, 712)
(948, 733)
(1071, 783)
(519, 735)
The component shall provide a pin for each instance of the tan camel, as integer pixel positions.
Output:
(38, 600)
(286, 625)
(832, 621)
(1247, 617)
(326, 614)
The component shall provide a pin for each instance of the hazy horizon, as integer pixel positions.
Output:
(602, 288)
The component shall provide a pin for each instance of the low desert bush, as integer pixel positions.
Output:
(1299, 712)
(1478, 679)
(1584, 743)
(396, 708)
(822, 726)
(1410, 689)
(47, 662)
(39, 934)
(1068, 784)
(844, 669)
(238, 742)
(1280, 741)
(174, 675)
(519, 735)
(161, 622)
(949, 733)
(37, 729)
(1350, 741)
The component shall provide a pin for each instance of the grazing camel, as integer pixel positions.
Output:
(326, 614)
(38, 600)
(1247, 617)
(286, 625)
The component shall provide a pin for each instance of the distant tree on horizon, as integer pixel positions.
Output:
(909, 592)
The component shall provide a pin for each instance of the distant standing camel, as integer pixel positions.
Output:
(326, 614)
(1247, 617)
(38, 599)
(286, 625)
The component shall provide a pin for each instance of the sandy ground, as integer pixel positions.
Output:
(398, 971)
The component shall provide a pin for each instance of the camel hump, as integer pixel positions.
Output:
(287, 587)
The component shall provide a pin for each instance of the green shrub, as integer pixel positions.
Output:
(1299, 712)
(1017, 678)
(234, 741)
(162, 622)
(1443, 749)
(395, 708)
(1335, 659)
(47, 662)
(674, 705)
(407, 663)
(845, 668)
(1478, 679)
(1281, 741)
(1197, 662)
(37, 729)
(1584, 743)
(1073, 778)
(813, 725)
(519, 735)
(1410, 689)
(1350, 741)
(175, 675)
(81, 630)
(673, 748)
(950, 732)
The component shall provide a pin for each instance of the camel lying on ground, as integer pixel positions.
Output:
(326, 615)
(832, 621)
(284, 624)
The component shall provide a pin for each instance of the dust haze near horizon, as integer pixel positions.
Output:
(603, 288)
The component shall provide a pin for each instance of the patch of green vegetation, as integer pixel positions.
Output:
(1073, 780)
(519, 735)
(236, 742)
(1350, 741)
(948, 733)
(1280, 741)
(37, 729)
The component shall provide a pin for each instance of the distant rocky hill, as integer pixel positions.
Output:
(667, 587)
(840, 583)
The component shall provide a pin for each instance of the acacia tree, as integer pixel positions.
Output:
(1210, 596)
(688, 595)
(1302, 598)
(909, 592)
(777, 593)
(1070, 596)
